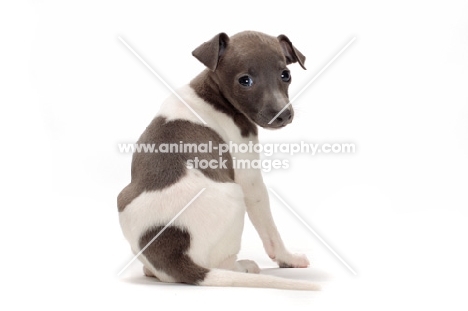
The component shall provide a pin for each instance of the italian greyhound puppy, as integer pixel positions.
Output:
(245, 85)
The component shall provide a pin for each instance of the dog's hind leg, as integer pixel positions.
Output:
(231, 263)
(168, 253)
(148, 272)
(248, 266)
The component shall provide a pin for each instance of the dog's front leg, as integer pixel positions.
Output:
(258, 209)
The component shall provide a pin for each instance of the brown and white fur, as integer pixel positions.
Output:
(244, 86)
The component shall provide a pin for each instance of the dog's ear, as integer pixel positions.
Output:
(292, 54)
(209, 52)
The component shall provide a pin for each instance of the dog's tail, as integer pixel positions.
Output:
(218, 277)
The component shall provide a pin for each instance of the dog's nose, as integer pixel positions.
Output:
(283, 119)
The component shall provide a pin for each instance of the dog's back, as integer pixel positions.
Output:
(196, 241)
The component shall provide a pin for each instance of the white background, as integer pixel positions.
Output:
(395, 210)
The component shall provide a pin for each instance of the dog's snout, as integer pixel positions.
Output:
(284, 118)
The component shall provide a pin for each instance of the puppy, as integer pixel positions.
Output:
(245, 85)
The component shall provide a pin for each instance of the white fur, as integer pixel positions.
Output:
(251, 181)
(215, 219)
(220, 209)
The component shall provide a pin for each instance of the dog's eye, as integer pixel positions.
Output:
(245, 81)
(285, 76)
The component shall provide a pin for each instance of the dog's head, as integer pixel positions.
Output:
(250, 70)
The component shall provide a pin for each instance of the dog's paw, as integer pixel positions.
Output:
(249, 266)
(293, 261)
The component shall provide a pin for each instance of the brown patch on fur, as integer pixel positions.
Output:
(156, 171)
(168, 253)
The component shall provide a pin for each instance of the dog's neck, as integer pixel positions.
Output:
(207, 88)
